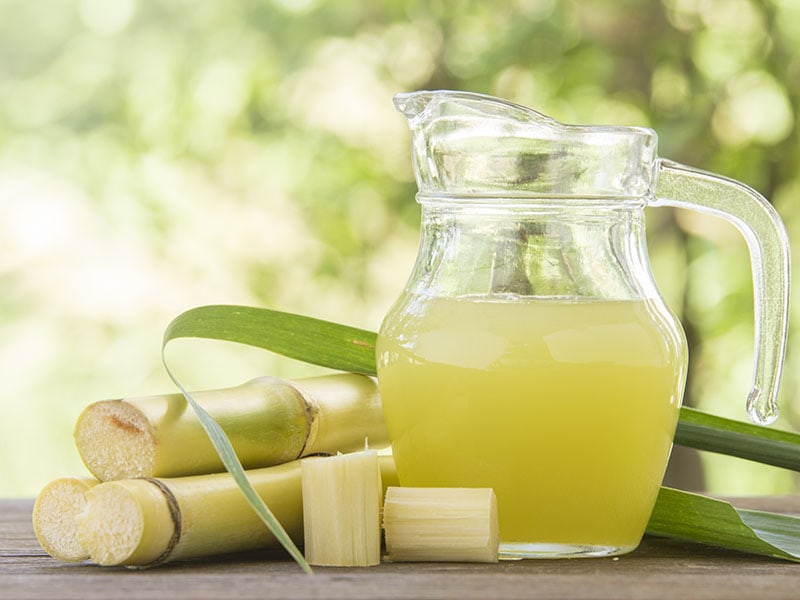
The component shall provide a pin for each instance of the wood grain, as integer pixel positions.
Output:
(658, 569)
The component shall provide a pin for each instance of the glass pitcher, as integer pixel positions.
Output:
(531, 351)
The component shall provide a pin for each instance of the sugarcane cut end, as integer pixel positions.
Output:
(127, 522)
(116, 440)
(54, 512)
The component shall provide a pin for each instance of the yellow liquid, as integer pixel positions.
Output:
(566, 409)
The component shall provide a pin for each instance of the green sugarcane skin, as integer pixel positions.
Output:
(269, 421)
(265, 419)
(346, 410)
(204, 515)
(126, 522)
(215, 517)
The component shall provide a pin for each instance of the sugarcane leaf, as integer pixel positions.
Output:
(781, 531)
(700, 519)
(303, 338)
(213, 323)
(703, 431)
(234, 466)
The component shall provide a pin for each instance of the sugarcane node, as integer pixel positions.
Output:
(311, 412)
(177, 522)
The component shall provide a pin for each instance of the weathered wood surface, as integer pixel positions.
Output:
(659, 569)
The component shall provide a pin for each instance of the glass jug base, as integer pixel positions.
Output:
(521, 550)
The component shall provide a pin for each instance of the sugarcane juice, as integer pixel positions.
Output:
(566, 409)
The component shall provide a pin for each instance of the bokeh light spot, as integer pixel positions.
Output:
(107, 17)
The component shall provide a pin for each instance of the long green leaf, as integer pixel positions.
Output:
(677, 514)
(234, 466)
(726, 436)
(303, 338)
(210, 322)
(704, 520)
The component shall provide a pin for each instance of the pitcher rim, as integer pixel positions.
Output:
(400, 98)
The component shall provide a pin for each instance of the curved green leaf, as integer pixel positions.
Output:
(303, 338)
(234, 466)
(231, 323)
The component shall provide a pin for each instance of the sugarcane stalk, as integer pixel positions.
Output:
(342, 498)
(441, 524)
(54, 512)
(146, 522)
(268, 421)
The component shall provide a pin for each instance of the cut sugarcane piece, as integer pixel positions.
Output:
(146, 522)
(54, 512)
(341, 509)
(127, 522)
(441, 524)
(268, 421)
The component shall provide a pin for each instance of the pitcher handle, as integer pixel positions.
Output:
(759, 223)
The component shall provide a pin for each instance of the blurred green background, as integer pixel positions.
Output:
(157, 155)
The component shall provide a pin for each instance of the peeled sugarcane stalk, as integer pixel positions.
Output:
(441, 524)
(54, 512)
(146, 522)
(268, 421)
(342, 497)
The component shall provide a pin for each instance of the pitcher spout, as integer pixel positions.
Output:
(466, 144)
(412, 104)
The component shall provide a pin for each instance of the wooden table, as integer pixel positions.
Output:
(659, 569)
